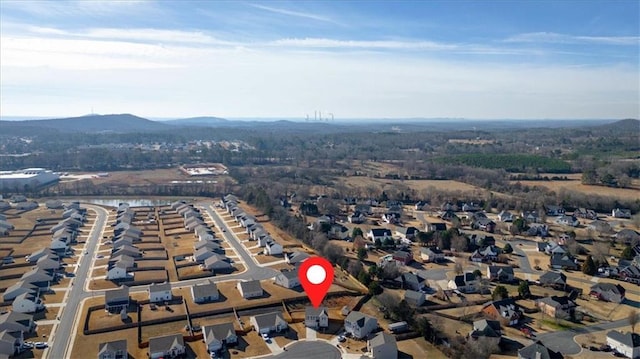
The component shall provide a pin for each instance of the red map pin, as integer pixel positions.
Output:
(316, 276)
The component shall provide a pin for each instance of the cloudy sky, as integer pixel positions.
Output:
(355, 59)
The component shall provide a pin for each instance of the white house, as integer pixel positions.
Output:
(250, 289)
(296, 257)
(168, 346)
(58, 245)
(624, 343)
(359, 325)
(216, 336)
(160, 292)
(288, 278)
(117, 299)
(316, 317)
(27, 303)
(621, 213)
(113, 350)
(202, 254)
(205, 292)
(269, 322)
(273, 249)
(383, 346)
(119, 270)
(216, 263)
(431, 255)
(378, 233)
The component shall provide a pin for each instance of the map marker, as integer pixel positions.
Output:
(316, 276)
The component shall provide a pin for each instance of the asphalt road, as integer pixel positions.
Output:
(60, 347)
(309, 350)
(61, 339)
(563, 341)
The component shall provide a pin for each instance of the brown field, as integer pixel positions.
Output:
(418, 185)
(574, 184)
(129, 178)
(419, 348)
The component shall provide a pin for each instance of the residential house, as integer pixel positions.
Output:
(431, 255)
(506, 311)
(38, 277)
(360, 325)
(486, 254)
(563, 261)
(316, 318)
(471, 207)
(403, 257)
(288, 278)
(338, 231)
(553, 210)
(365, 208)
(567, 220)
(27, 303)
(160, 292)
(117, 299)
(202, 254)
(391, 217)
(250, 289)
(500, 273)
(600, 226)
(608, 292)
(538, 351)
(505, 216)
(383, 346)
(421, 206)
(4, 205)
(448, 216)
(10, 343)
(126, 250)
(538, 229)
(204, 233)
(296, 257)
(484, 224)
(556, 280)
(356, 217)
(481, 240)
(205, 292)
(627, 236)
(113, 350)
(435, 226)
(557, 307)
(531, 217)
(168, 346)
(465, 283)
(486, 329)
(17, 289)
(49, 263)
(553, 248)
(269, 322)
(18, 198)
(378, 233)
(585, 213)
(627, 344)
(14, 321)
(217, 263)
(210, 245)
(273, 249)
(414, 298)
(409, 233)
(33, 257)
(120, 269)
(621, 213)
(217, 336)
(27, 206)
(411, 280)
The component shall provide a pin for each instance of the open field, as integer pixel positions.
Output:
(417, 185)
(574, 184)
(158, 176)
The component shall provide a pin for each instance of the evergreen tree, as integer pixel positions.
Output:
(589, 267)
(500, 293)
(507, 248)
(523, 289)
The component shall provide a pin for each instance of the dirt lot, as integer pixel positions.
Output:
(418, 348)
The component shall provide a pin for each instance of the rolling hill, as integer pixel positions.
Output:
(117, 123)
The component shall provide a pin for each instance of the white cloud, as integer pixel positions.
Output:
(304, 15)
(555, 38)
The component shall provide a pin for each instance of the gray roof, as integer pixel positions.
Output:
(555, 301)
(358, 317)
(269, 319)
(165, 343)
(413, 295)
(206, 289)
(218, 331)
(297, 257)
(507, 270)
(629, 339)
(383, 338)
(311, 311)
(486, 328)
(251, 286)
(117, 295)
(159, 287)
(553, 278)
(289, 274)
(609, 287)
(537, 351)
(112, 347)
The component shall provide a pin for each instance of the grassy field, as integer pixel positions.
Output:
(574, 184)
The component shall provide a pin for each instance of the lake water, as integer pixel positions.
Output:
(132, 202)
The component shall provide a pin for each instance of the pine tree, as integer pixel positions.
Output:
(589, 267)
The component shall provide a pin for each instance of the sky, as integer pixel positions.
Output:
(504, 59)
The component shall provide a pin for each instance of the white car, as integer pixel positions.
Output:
(265, 336)
(40, 345)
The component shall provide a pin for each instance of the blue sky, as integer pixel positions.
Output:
(355, 59)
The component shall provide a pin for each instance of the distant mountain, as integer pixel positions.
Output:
(628, 125)
(121, 123)
(198, 121)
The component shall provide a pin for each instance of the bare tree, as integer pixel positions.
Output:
(536, 262)
(601, 251)
(457, 268)
(633, 320)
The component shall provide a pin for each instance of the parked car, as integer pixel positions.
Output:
(341, 338)
(40, 345)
